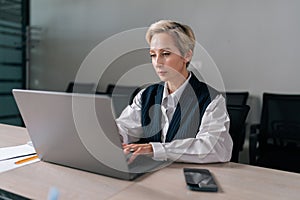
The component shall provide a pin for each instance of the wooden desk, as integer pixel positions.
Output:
(236, 181)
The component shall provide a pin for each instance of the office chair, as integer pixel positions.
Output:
(237, 115)
(275, 142)
(121, 96)
(238, 98)
(89, 88)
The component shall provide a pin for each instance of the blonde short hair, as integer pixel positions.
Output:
(183, 35)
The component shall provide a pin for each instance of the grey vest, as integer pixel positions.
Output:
(187, 116)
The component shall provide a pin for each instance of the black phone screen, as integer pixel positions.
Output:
(200, 180)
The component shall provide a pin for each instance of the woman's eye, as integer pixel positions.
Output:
(152, 55)
(166, 53)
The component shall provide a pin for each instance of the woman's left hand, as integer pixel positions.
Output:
(137, 149)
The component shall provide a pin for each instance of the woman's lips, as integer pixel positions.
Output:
(162, 72)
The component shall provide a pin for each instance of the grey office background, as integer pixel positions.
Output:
(255, 44)
(14, 20)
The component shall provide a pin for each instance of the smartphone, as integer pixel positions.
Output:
(200, 180)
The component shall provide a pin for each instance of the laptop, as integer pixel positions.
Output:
(78, 131)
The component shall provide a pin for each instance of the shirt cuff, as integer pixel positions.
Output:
(159, 152)
(123, 134)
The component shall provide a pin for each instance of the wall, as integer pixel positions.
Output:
(255, 44)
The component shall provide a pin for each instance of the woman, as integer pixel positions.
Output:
(181, 118)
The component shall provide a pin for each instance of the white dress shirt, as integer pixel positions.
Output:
(211, 144)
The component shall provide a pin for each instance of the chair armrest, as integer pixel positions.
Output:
(254, 128)
(254, 132)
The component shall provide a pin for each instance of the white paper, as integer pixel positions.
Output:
(16, 151)
(9, 164)
(9, 155)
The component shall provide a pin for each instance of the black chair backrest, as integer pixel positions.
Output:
(236, 98)
(89, 88)
(280, 119)
(121, 95)
(110, 88)
(122, 90)
(237, 115)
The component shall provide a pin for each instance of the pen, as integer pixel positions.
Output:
(26, 159)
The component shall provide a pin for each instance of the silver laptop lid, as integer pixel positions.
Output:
(75, 130)
(79, 131)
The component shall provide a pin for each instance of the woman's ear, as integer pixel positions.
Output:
(188, 56)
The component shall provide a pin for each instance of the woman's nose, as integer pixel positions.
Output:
(159, 60)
